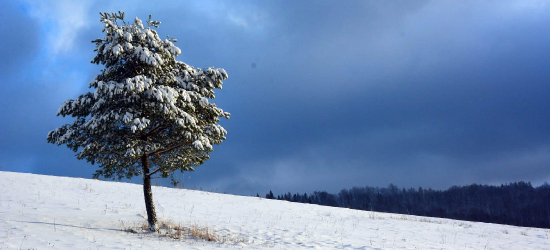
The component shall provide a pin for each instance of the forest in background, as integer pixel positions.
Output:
(517, 203)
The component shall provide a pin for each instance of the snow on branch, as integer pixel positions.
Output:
(143, 103)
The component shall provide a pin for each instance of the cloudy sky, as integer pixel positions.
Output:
(324, 95)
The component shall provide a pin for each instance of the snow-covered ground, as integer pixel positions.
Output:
(47, 212)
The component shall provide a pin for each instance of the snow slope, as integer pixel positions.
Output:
(46, 212)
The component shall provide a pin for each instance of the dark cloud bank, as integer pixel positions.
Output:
(325, 96)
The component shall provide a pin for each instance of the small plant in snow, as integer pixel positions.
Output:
(524, 233)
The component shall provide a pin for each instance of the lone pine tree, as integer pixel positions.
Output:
(147, 113)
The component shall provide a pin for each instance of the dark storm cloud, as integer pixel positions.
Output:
(443, 107)
(19, 43)
(19, 36)
(328, 96)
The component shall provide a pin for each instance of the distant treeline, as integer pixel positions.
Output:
(517, 203)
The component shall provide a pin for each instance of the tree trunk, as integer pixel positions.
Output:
(148, 194)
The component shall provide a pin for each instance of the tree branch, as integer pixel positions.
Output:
(154, 172)
(111, 152)
(161, 152)
(154, 130)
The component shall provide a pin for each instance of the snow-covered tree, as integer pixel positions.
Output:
(146, 113)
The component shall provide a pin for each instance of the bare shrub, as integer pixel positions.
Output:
(178, 231)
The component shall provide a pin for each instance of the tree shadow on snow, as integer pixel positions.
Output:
(66, 225)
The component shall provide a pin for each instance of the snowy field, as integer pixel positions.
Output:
(46, 212)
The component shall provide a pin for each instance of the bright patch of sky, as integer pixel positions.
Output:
(62, 21)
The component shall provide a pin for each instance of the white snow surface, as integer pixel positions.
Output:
(47, 212)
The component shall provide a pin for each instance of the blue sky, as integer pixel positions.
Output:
(324, 95)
